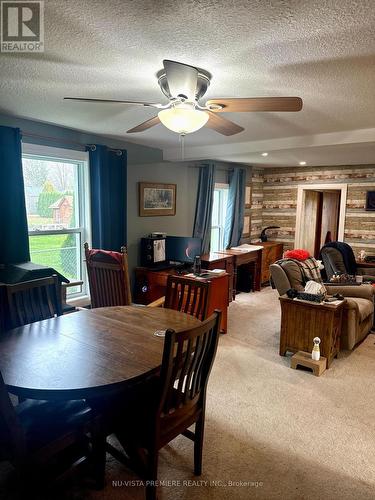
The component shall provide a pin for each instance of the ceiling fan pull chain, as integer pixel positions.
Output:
(182, 141)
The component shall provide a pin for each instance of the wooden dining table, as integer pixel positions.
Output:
(87, 354)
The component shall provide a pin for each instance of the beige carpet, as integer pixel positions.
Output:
(273, 432)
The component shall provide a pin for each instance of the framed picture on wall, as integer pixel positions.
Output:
(370, 201)
(246, 226)
(156, 199)
(248, 196)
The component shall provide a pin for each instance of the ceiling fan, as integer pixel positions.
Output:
(185, 85)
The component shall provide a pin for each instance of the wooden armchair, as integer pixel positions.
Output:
(173, 402)
(186, 295)
(108, 275)
(31, 301)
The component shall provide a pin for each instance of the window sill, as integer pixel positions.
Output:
(82, 301)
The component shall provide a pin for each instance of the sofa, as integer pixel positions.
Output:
(358, 317)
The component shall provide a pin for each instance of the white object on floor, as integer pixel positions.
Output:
(315, 355)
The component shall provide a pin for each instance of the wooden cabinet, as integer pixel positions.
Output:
(151, 285)
(272, 252)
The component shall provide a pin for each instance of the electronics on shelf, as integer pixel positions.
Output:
(183, 249)
(160, 251)
(153, 251)
(157, 234)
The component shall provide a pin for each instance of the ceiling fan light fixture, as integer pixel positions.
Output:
(183, 120)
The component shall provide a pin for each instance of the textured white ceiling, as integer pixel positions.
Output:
(323, 51)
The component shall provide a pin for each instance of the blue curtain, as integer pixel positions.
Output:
(108, 197)
(235, 208)
(14, 246)
(203, 209)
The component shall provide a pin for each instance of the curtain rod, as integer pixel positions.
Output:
(217, 170)
(66, 141)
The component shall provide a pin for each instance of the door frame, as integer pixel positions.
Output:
(302, 188)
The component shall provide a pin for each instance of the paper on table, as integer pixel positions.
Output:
(216, 271)
(246, 247)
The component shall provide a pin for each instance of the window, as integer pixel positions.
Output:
(218, 216)
(56, 193)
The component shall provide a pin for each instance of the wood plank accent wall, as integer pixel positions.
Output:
(256, 222)
(275, 202)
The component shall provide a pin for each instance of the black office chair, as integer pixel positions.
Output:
(338, 258)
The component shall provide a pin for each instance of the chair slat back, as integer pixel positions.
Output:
(187, 361)
(33, 300)
(188, 295)
(108, 274)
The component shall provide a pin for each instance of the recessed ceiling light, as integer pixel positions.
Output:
(264, 154)
(302, 163)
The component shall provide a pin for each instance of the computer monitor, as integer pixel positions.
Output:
(182, 249)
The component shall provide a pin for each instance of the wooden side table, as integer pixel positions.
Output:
(301, 321)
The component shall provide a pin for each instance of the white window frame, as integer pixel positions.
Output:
(220, 186)
(84, 202)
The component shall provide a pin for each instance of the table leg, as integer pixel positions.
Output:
(257, 276)
(234, 282)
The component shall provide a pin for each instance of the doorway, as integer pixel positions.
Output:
(320, 216)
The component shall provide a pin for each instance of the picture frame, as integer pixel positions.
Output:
(248, 196)
(370, 201)
(246, 226)
(157, 199)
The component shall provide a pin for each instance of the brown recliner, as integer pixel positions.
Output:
(359, 301)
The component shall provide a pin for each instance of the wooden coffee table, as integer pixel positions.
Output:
(301, 321)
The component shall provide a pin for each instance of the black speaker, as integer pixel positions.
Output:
(152, 251)
(370, 200)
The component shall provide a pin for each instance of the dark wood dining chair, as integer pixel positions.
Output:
(31, 301)
(44, 440)
(172, 402)
(108, 275)
(186, 295)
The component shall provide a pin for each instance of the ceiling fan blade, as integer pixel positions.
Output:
(182, 78)
(145, 125)
(222, 125)
(243, 105)
(114, 101)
